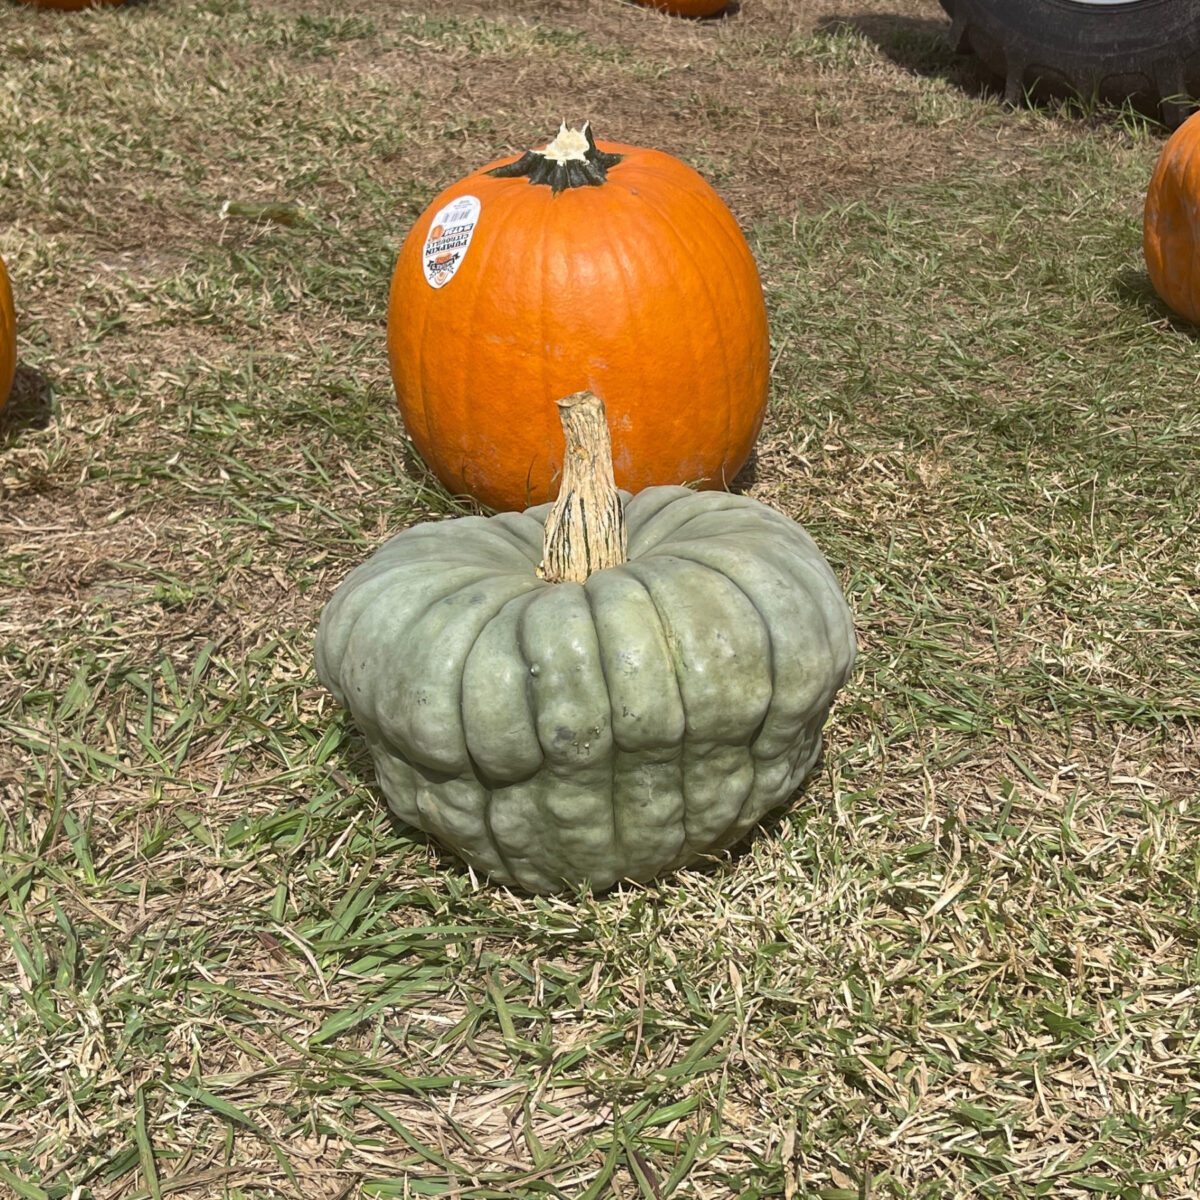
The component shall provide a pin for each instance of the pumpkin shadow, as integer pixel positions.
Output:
(30, 405)
(747, 477)
(1133, 288)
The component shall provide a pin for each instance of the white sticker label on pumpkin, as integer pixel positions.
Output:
(449, 237)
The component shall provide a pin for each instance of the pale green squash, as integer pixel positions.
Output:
(553, 734)
(560, 734)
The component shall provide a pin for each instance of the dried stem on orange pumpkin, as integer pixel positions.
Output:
(585, 530)
(571, 160)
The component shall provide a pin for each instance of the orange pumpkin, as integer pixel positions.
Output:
(71, 5)
(1171, 221)
(585, 265)
(687, 8)
(8, 335)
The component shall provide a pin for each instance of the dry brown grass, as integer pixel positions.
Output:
(964, 962)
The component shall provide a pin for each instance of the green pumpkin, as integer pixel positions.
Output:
(561, 734)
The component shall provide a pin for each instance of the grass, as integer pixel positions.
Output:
(965, 961)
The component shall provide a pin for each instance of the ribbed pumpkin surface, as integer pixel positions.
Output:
(561, 734)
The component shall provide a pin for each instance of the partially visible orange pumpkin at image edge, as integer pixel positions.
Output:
(687, 8)
(1171, 222)
(584, 265)
(8, 335)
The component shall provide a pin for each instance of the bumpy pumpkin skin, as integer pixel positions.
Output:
(8, 335)
(1171, 222)
(556, 735)
(642, 289)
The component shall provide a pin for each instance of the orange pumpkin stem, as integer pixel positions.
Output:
(585, 530)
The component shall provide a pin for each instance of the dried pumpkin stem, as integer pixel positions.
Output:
(585, 530)
(571, 160)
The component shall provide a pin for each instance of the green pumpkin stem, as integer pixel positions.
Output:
(585, 530)
(572, 160)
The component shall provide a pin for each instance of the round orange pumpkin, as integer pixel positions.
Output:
(585, 265)
(8, 335)
(687, 8)
(1171, 221)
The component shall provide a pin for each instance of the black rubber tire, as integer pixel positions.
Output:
(1144, 51)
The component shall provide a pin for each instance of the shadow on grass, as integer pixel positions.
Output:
(921, 46)
(747, 477)
(30, 405)
(918, 45)
(1132, 287)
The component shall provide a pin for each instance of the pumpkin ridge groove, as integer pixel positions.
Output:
(489, 795)
(439, 641)
(827, 591)
(679, 551)
(423, 373)
(678, 758)
(738, 823)
(736, 246)
(480, 774)
(663, 525)
(672, 646)
(823, 591)
(359, 618)
(724, 580)
(524, 533)
(731, 258)
(622, 265)
(608, 686)
(543, 310)
(522, 601)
